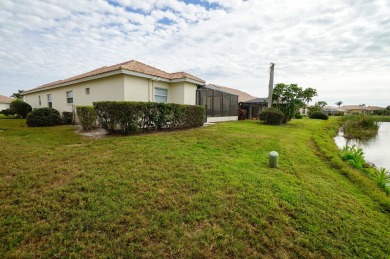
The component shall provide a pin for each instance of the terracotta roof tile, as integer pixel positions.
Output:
(5, 99)
(131, 65)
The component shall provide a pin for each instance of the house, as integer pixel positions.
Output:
(331, 110)
(5, 102)
(355, 109)
(128, 81)
(375, 109)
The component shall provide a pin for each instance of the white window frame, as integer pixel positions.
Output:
(69, 97)
(49, 101)
(156, 89)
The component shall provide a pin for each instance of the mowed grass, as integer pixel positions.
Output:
(205, 192)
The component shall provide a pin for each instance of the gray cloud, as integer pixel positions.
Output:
(335, 46)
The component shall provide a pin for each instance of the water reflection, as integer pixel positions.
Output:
(376, 150)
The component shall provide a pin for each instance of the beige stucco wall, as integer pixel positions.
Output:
(4, 106)
(183, 93)
(136, 89)
(102, 89)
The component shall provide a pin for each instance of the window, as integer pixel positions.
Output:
(69, 97)
(160, 95)
(87, 91)
(49, 101)
(39, 100)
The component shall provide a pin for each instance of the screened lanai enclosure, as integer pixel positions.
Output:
(220, 105)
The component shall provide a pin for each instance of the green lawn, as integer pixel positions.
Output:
(205, 192)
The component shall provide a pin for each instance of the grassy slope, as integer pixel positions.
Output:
(203, 192)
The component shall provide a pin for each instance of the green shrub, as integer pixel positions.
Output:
(7, 112)
(354, 155)
(20, 108)
(67, 118)
(133, 117)
(271, 116)
(312, 109)
(298, 116)
(319, 115)
(241, 114)
(87, 117)
(360, 126)
(383, 179)
(43, 117)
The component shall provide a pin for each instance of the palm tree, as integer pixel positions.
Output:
(339, 103)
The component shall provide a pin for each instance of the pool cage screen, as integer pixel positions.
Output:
(218, 103)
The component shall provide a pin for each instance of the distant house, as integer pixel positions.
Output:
(375, 109)
(355, 109)
(331, 110)
(5, 102)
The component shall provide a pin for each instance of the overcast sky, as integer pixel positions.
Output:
(341, 48)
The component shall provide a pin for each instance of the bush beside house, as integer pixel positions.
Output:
(134, 117)
(319, 115)
(43, 117)
(272, 116)
(87, 117)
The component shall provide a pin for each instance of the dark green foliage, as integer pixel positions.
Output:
(290, 98)
(43, 117)
(20, 108)
(87, 117)
(313, 109)
(298, 116)
(134, 117)
(271, 116)
(241, 114)
(67, 118)
(7, 112)
(360, 126)
(319, 115)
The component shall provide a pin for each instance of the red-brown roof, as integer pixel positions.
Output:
(132, 65)
(5, 99)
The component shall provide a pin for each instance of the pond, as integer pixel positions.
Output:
(376, 150)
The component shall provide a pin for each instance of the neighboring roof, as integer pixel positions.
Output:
(242, 96)
(333, 108)
(129, 66)
(257, 101)
(375, 108)
(353, 107)
(5, 99)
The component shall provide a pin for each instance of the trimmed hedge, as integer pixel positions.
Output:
(135, 117)
(43, 117)
(87, 117)
(319, 115)
(67, 118)
(271, 116)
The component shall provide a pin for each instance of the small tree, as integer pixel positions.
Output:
(18, 95)
(20, 108)
(321, 104)
(290, 98)
(339, 103)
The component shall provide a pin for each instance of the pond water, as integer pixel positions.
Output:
(376, 150)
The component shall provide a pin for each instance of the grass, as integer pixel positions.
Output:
(360, 126)
(206, 192)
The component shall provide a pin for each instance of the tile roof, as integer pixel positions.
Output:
(353, 107)
(375, 108)
(5, 99)
(242, 96)
(133, 66)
